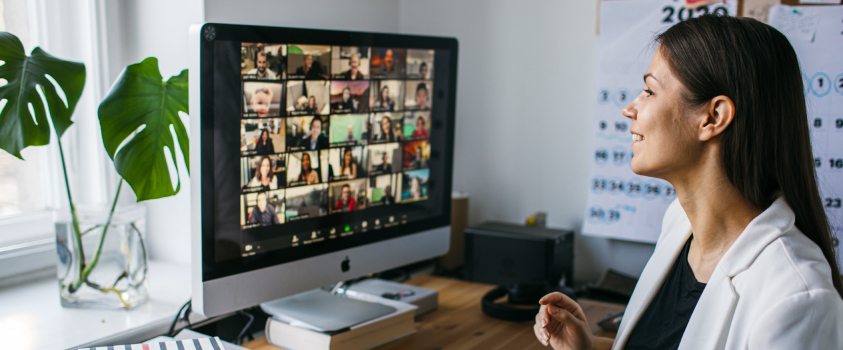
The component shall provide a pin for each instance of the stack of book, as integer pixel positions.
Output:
(295, 336)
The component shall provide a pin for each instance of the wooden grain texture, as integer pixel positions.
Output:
(459, 322)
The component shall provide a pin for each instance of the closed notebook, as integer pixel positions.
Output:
(186, 344)
(363, 336)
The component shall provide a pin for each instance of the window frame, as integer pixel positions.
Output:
(74, 30)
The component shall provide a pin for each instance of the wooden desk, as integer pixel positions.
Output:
(459, 322)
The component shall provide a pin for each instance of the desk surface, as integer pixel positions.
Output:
(459, 322)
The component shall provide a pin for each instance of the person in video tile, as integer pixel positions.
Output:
(264, 176)
(260, 101)
(262, 70)
(392, 67)
(387, 133)
(263, 212)
(387, 198)
(415, 188)
(346, 104)
(422, 96)
(310, 107)
(264, 144)
(385, 167)
(423, 70)
(420, 131)
(346, 201)
(307, 173)
(310, 70)
(316, 139)
(349, 167)
(353, 73)
(385, 102)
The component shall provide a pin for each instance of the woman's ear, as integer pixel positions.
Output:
(719, 113)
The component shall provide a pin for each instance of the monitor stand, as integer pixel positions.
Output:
(324, 311)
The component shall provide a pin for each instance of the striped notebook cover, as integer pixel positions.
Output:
(185, 344)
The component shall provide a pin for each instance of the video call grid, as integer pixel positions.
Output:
(288, 81)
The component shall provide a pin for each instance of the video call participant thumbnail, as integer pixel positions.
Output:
(349, 96)
(263, 208)
(414, 185)
(387, 95)
(262, 61)
(349, 130)
(262, 99)
(418, 94)
(262, 173)
(306, 202)
(307, 168)
(350, 62)
(262, 136)
(382, 190)
(307, 133)
(416, 125)
(309, 62)
(386, 127)
(308, 97)
(384, 159)
(416, 155)
(420, 64)
(348, 196)
(388, 63)
(346, 163)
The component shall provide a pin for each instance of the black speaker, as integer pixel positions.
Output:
(526, 261)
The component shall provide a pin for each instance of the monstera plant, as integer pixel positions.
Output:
(138, 119)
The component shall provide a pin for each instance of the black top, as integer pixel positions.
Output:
(663, 323)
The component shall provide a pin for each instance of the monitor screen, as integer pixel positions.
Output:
(343, 142)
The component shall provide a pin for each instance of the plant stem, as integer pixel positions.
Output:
(77, 233)
(94, 259)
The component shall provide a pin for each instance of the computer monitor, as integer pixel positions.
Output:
(317, 156)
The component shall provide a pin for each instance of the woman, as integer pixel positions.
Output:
(385, 103)
(745, 258)
(386, 131)
(348, 167)
(346, 104)
(415, 188)
(307, 173)
(420, 131)
(264, 145)
(311, 107)
(265, 176)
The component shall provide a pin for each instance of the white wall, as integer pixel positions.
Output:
(525, 99)
(524, 106)
(138, 29)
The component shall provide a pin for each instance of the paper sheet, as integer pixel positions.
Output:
(621, 204)
(758, 9)
(822, 77)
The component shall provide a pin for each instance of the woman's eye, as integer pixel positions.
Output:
(649, 92)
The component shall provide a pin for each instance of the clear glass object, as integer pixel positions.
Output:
(117, 279)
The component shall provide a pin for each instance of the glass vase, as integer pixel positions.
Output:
(109, 269)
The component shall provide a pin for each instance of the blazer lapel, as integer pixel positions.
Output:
(709, 325)
(652, 278)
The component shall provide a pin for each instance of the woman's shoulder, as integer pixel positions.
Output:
(789, 265)
(674, 220)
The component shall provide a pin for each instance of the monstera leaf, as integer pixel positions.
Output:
(136, 118)
(21, 127)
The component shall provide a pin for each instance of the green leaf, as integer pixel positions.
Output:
(18, 127)
(141, 100)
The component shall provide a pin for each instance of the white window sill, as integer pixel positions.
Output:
(31, 316)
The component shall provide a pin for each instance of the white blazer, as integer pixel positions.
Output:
(771, 290)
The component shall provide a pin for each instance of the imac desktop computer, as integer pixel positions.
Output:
(316, 156)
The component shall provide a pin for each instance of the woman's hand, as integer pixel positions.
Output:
(561, 324)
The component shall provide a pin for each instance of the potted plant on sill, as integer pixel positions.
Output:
(102, 259)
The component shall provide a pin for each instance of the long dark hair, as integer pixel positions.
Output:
(766, 148)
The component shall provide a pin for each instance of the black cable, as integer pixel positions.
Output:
(186, 305)
(239, 339)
